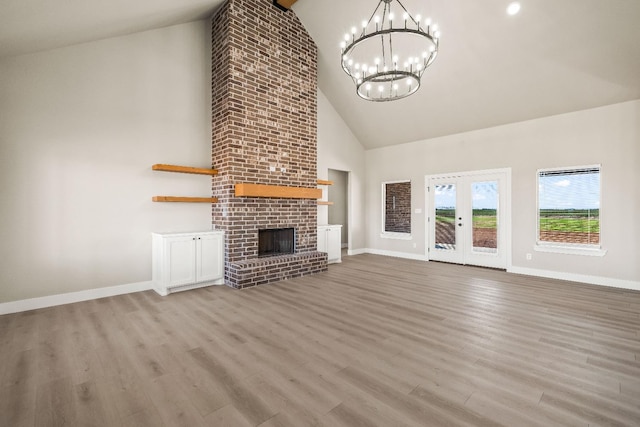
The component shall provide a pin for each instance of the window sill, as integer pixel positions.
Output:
(570, 250)
(397, 236)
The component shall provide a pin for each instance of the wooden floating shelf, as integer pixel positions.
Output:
(184, 169)
(324, 182)
(185, 199)
(277, 191)
(322, 202)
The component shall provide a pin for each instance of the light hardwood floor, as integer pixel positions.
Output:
(376, 341)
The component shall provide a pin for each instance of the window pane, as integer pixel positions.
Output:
(484, 196)
(569, 206)
(397, 212)
(445, 205)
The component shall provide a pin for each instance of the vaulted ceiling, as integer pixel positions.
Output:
(553, 57)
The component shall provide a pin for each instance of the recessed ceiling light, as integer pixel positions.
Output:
(513, 8)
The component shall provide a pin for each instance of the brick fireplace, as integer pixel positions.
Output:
(264, 89)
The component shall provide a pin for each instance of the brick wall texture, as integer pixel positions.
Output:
(264, 131)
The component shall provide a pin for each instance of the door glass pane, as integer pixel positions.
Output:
(445, 206)
(484, 196)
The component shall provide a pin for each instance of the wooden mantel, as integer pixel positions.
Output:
(277, 191)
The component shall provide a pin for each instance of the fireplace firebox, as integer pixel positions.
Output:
(276, 241)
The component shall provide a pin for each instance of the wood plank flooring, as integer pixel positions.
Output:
(375, 341)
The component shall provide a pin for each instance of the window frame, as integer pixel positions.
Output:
(394, 234)
(569, 248)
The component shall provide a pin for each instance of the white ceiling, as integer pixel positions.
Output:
(556, 56)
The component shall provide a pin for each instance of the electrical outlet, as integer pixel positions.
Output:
(272, 168)
(528, 257)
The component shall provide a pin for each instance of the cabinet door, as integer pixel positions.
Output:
(181, 260)
(210, 257)
(333, 243)
(322, 239)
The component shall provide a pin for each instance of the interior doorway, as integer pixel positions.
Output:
(338, 196)
(469, 218)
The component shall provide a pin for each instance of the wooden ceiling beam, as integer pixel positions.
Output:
(284, 4)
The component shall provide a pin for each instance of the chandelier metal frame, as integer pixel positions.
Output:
(388, 79)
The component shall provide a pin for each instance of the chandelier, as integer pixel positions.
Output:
(387, 59)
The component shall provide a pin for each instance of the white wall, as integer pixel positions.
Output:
(80, 128)
(608, 135)
(339, 149)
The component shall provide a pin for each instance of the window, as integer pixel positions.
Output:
(569, 207)
(396, 218)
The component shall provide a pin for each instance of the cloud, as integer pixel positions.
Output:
(563, 183)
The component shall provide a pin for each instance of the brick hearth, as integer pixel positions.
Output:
(264, 89)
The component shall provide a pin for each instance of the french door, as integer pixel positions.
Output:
(468, 218)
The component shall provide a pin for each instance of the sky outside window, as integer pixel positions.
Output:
(569, 191)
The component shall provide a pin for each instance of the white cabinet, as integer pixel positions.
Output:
(329, 241)
(184, 261)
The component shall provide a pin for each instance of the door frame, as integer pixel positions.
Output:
(506, 208)
(349, 207)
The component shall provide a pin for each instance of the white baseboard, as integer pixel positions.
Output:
(583, 278)
(356, 251)
(71, 297)
(418, 257)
